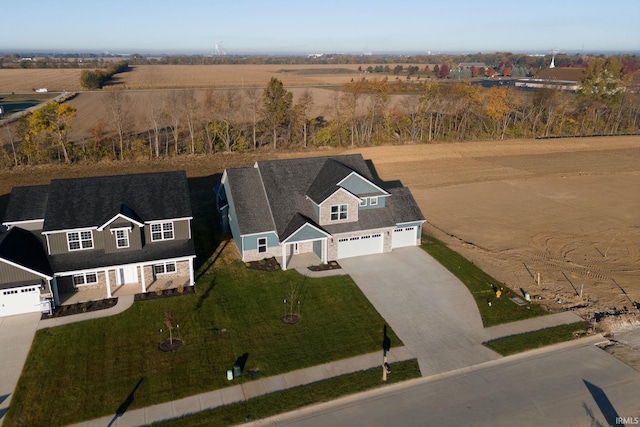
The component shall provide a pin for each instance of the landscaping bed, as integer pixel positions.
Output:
(80, 307)
(165, 293)
(331, 265)
(267, 264)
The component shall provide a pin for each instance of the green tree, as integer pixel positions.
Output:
(602, 80)
(52, 122)
(277, 106)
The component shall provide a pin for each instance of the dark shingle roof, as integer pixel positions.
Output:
(23, 248)
(324, 185)
(90, 202)
(82, 260)
(27, 203)
(252, 209)
(403, 206)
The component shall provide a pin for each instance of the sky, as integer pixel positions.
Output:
(325, 26)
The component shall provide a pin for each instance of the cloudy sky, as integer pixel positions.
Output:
(327, 26)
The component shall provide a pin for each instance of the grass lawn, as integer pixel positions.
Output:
(288, 400)
(522, 342)
(479, 283)
(86, 370)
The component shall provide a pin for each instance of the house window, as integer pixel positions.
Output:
(373, 201)
(85, 279)
(122, 238)
(164, 268)
(338, 212)
(262, 245)
(363, 202)
(161, 231)
(78, 240)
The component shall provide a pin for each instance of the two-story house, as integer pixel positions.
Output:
(330, 206)
(101, 232)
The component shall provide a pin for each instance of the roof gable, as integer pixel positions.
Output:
(358, 185)
(125, 213)
(306, 231)
(22, 249)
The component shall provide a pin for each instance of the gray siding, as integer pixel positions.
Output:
(11, 274)
(58, 242)
(317, 248)
(180, 230)
(109, 237)
(306, 233)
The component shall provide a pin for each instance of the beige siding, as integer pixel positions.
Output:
(180, 230)
(339, 198)
(11, 274)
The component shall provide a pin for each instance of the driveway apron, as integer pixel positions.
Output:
(429, 309)
(16, 335)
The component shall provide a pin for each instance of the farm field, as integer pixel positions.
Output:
(568, 209)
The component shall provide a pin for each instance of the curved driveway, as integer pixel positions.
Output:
(429, 309)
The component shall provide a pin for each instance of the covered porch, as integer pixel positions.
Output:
(306, 240)
(98, 293)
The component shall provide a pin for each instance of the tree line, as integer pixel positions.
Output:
(362, 112)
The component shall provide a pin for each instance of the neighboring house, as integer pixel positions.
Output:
(102, 232)
(330, 206)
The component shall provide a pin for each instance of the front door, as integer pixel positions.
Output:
(127, 274)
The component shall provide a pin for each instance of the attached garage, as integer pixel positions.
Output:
(367, 244)
(23, 299)
(404, 236)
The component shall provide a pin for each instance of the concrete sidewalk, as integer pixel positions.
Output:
(530, 325)
(124, 302)
(248, 390)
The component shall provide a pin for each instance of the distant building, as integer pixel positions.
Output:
(563, 78)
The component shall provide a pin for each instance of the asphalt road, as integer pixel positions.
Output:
(566, 385)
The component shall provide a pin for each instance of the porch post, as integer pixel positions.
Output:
(325, 250)
(191, 275)
(106, 275)
(144, 286)
(284, 256)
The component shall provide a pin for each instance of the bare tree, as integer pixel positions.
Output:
(253, 101)
(117, 106)
(302, 109)
(156, 118)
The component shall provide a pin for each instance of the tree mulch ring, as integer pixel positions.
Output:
(267, 264)
(291, 319)
(80, 307)
(332, 265)
(168, 345)
(166, 293)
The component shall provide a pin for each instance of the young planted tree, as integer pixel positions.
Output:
(277, 106)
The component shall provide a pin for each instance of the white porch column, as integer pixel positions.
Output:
(284, 256)
(106, 275)
(325, 250)
(144, 285)
(191, 274)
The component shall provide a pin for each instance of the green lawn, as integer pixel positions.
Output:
(522, 342)
(479, 283)
(288, 400)
(86, 370)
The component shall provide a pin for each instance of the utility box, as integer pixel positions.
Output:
(236, 371)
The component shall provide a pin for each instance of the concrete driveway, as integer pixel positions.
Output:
(429, 309)
(16, 335)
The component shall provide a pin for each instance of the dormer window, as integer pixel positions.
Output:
(122, 237)
(339, 212)
(161, 231)
(78, 240)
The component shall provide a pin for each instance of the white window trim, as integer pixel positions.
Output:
(80, 240)
(85, 282)
(114, 231)
(373, 201)
(162, 230)
(363, 202)
(164, 268)
(339, 212)
(264, 245)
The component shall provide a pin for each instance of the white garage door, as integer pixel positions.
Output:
(25, 299)
(359, 245)
(404, 237)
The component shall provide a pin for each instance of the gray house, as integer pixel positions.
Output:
(94, 233)
(329, 206)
